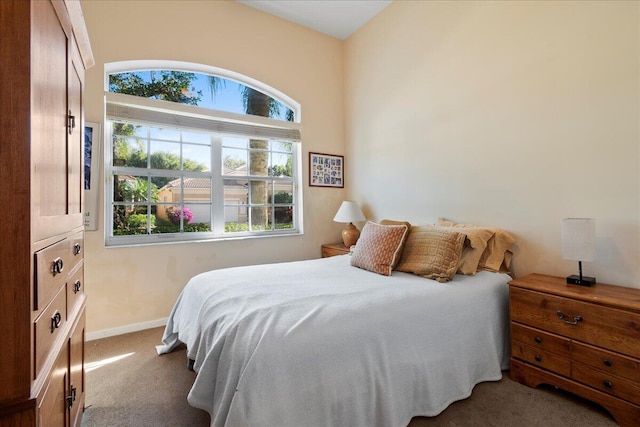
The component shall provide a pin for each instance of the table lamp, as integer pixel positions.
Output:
(579, 244)
(349, 212)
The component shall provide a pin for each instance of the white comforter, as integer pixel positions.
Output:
(321, 343)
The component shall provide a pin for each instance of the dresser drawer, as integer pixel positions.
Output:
(602, 326)
(612, 384)
(541, 358)
(606, 361)
(48, 326)
(75, 288)
(51, 267)
(541, 340)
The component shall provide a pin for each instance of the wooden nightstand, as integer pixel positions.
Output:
(334, 249)
(585, 340)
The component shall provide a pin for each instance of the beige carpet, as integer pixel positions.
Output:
(128, 384)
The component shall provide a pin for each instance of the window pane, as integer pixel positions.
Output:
(283, 217)
(196, 137)
(234, 161)
(129, 151)
(282, 146)
(236, 191)
(196, 157)
(134, 189)
(234, 142)
(260, 218)
(200, 218)
(128, 220)
(165, 155)
(283, 193)
(281, 164)
(259, 158)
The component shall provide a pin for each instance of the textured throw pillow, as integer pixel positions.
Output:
(379, 247)
(497, 246)
(392, 222)
(432, 252)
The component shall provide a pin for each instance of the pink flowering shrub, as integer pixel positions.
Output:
(173, 213)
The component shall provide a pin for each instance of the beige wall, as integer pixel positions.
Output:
(134, 285)
(510, 114)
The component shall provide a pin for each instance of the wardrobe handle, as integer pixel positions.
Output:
(56, 319)
(57, 265)
(76, 286)
(77, 248)
(71, 122)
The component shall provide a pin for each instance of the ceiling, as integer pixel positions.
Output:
(337, 18)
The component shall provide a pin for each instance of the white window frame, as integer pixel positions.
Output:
(217, 123)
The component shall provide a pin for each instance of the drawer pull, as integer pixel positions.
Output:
(57, 265)
(575, 320)
(538, 340)
(76, 249)
(56, 319)
(538, 359)
(607, 384)
(76, 286)
(72, 397)
(607, 362)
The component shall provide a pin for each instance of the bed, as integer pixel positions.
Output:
(323, 343)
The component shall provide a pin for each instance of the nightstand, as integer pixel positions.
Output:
(585, 340)
(333, 249)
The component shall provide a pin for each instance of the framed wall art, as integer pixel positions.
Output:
(91, 174)
(326, 170)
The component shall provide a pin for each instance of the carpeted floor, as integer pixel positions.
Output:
(128, 384)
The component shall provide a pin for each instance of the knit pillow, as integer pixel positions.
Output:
(379, 247)
(432, 252)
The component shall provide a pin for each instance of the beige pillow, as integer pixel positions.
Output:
(379, 247)
(432, 252)
(494, 254)
(472, 252)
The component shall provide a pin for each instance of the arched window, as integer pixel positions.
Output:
(196, 152)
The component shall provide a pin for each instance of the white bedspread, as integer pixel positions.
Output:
(321, 343)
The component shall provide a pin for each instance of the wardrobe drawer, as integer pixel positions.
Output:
(603, 381)
(543, 359)
(595, 324)
(51, 267)
(606, 361)
(541, 340)
(48, 326)
(75, 288)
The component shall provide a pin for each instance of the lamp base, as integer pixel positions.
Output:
(350, 235)
(574, 279)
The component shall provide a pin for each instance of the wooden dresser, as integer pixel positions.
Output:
(585, 340)
(44, 51)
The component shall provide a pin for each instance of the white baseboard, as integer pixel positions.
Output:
(135, 327)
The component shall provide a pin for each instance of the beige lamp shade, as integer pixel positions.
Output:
(579, 239)
(349, 213)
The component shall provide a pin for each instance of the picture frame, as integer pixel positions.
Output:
(92, 150)
(326, 170)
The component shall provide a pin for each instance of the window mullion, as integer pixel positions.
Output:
(217, 185)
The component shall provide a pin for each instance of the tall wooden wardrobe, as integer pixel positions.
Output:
(44, 51)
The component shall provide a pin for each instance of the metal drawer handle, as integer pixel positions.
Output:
(56, 319)
(607, 384)
(76, 249)
(57, 265)
(575, 320)
(607, 362)
(538, 359)
(538, 340)
(76, 286)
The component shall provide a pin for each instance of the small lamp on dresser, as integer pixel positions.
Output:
(579, 244)
(349, 212)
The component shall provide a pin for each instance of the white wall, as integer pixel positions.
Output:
(509, 114)
(140, 284)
